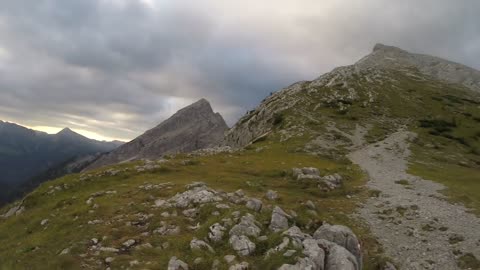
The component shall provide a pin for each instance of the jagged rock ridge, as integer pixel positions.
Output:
(194, 127)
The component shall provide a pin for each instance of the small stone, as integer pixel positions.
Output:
(197, 261)
(109, 259)
(272, 195)
(289, 253)
(44, 222)
(239, 266)
(262, 238)
(129, 243)
(176, 264)
(196, 244)
(94, 241)
(389, 266)
(222, 206)
(229, 258)
(160, 203)
(89, 201)
(310, 205)
(215, 264)
(109, 249)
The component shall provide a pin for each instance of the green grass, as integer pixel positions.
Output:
(468, 261)
(402, 182)
(25, 244)
(463, 183)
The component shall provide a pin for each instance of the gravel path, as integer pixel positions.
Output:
(416, 225)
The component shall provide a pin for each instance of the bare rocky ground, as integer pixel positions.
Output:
(414, 222)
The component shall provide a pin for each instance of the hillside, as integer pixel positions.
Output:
(370, 166)
(26, 153)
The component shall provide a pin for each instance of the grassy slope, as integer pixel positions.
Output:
(449, 155)
(20, 235)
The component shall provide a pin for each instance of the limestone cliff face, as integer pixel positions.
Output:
(194, 127)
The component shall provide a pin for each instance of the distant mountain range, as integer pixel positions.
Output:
(28, 156)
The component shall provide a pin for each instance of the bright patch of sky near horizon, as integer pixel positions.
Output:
(111, 69)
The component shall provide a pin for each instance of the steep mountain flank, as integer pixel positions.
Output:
(387, 88)
(191, 128)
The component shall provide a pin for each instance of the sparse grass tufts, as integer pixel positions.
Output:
(468, 261)
(402, 182)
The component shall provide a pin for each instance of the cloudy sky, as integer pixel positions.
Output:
(111, 69)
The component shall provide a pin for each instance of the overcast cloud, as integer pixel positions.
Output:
(114, 68)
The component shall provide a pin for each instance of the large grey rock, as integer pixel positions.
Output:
(342, 236)
(246, 226)
(196, 195)
(279, 221)
(176, 264)
(191, 128)
(216, 232)
(242, 245)
(316, 254)
(337, 257)
(254, 204)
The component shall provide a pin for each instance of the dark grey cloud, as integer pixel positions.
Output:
(118, 67)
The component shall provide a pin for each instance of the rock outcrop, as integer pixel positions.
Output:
(192, 128)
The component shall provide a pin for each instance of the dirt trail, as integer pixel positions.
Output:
(414, 222)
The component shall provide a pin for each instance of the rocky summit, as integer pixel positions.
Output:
(191, 128)
(375, 165)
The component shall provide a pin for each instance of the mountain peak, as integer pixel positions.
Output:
(192, 128)
(200, 104)
(66, 131)
(383, 47)
(390, 57)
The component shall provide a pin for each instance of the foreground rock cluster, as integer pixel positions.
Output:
(327, 182)
(330, 247)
